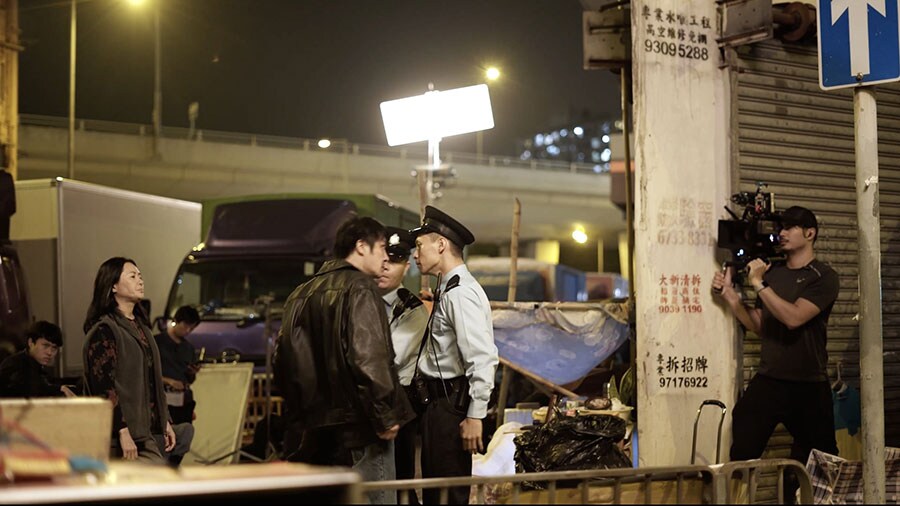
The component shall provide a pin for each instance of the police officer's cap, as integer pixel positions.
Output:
(441, 223)
(399, 244)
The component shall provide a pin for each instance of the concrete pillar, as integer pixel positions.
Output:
(686, 341)
(600, 256)
(547, 251)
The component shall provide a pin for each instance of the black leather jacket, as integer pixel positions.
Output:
(334, 359)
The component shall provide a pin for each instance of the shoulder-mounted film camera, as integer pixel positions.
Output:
(754, 234)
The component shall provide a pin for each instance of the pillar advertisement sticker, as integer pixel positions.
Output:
(678, 34)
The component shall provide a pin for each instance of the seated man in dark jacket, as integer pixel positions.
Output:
(334, 363)
(26, 374)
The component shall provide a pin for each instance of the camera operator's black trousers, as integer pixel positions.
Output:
(805, 409)
(442, 446)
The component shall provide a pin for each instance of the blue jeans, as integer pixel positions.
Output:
(375, 462)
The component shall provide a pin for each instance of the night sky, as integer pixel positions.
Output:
(313, 68)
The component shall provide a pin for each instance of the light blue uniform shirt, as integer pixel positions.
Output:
(406, 334)
(463, 337)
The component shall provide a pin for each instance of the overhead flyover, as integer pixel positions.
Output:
(199, 165)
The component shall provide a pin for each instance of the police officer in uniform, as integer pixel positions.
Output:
(459, 359)
(408, 318)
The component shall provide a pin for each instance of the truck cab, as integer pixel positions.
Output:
(257, 251)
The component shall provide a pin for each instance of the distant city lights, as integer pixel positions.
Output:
(588, 141)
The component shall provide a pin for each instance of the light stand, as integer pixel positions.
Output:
(266, 301)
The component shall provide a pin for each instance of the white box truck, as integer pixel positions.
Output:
(64, 229)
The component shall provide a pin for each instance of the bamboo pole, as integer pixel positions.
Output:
(506, 376)
(537, 379)
(514, 252)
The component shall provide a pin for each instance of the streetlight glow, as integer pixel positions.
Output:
(579, 235)
(492, 73)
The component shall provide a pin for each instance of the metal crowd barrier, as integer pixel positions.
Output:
(750, 472)
(696, 484)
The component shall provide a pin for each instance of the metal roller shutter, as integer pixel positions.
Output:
(799, 139)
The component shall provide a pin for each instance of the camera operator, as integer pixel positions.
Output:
(793, 302)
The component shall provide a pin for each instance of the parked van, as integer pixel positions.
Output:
(258, 249)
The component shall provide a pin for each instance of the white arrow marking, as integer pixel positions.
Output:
(858, 14)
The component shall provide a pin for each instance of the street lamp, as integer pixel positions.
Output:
(72, 31)
(157, 95)
(491, 74)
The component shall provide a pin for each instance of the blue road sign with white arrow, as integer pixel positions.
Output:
(859, 42)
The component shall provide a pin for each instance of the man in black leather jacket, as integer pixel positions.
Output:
(334, 363)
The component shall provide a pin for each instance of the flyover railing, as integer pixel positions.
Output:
(337, 145)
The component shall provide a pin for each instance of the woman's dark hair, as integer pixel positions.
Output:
(104, 302)
(356, 229)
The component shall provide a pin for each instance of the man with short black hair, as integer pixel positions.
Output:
(459, 359)
(26, 374)
(179, 368)
(334, 363)
(794, 299)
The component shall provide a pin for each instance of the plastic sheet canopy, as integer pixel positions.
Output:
(561, 342)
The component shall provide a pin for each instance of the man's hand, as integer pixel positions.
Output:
(389, 434)
(176, 385)
(755, 271)
(191, 372)
(170, 437)
(67, 391)
(470, 431)
(129, 449)
(724, 286)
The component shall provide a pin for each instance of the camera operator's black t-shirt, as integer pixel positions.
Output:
(799, 354)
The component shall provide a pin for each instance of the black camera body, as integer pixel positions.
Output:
(754, 234)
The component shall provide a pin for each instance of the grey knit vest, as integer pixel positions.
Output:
(131, 381)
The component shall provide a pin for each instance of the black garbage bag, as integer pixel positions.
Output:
(570, 443)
